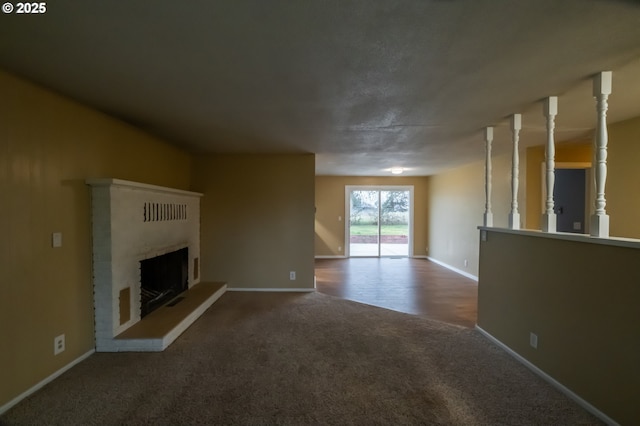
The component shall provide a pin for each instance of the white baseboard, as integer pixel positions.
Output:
(565, 390)
(331, 257)
(277, 290)
(6, 407)
(421, 256)
(454, 269)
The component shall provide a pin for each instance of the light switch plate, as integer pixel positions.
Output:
(533, 340)
(56, 239)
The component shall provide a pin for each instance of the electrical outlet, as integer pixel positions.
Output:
(426, 249)
(466, 263)
(58, 344)
(533, 340)
(292, 275)
(340, 249)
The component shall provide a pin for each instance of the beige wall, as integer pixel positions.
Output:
(623, 178)
(581, 300)
(257, 219)
(565, 153)
(457, 202)
(48, 146)
(330, 204)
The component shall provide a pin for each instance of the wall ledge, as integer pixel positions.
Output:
(581, 238)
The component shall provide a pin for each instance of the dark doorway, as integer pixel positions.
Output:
(569, 199)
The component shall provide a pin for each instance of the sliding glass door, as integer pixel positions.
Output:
(364, 223)
(379, 221)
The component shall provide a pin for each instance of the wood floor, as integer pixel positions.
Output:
(414, 286)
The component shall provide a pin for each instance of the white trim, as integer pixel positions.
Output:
(562, 388)
(421, 256)
(6, 407)
(330, 257)
(453, 268)
(276, 290)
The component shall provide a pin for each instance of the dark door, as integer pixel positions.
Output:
(569, 199)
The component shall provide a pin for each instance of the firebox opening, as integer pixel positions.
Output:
(163, 278)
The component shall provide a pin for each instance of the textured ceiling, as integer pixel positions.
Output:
(366, 85)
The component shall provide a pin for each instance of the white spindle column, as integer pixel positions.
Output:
(488, 215)
(514, 216)
(601, 91)
(548, 222)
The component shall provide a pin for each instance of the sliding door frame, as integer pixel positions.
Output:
(347, 215)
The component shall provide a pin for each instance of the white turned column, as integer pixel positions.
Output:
(488, 215)
(514, 216)
(601, 91)
(548, 222)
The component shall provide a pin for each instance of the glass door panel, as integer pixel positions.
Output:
(394, 223)
(364, 223)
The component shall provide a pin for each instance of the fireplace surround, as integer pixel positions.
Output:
(132, 223)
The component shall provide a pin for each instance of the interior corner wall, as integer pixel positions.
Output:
(49, 145)
(256, 219)
(456, 208)
(330, 205)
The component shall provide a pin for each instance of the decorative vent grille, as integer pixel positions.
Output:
(160, 212)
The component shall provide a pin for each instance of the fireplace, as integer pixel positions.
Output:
(162, 278)
(146, 247)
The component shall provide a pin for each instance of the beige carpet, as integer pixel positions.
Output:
(296, 359)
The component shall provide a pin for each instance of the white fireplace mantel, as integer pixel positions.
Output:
(141, 186)
(131, 222)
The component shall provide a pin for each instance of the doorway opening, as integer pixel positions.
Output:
(380, 221)
(572, 196)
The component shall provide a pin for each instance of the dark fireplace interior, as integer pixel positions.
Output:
(163, 278)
